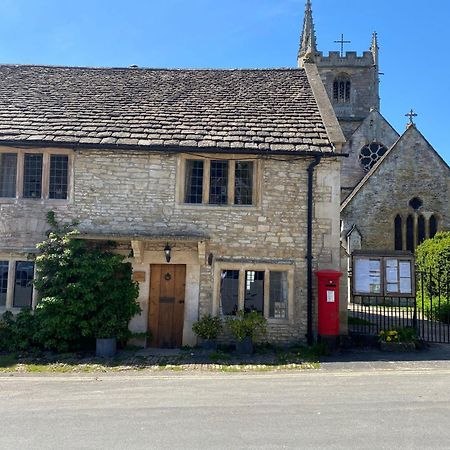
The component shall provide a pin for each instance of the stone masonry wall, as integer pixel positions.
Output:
(411, 169)
(374, 129)
(135, 193)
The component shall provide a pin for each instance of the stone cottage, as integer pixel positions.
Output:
(223, 186)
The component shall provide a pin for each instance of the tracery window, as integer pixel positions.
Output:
(370, 154)
(342, 89)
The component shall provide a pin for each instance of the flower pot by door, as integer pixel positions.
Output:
(209, 344)
(105, 348)
(245, 346)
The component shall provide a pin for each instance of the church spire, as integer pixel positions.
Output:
(374, 48)
(308, 45)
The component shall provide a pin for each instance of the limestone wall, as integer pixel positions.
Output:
(411, 169)
(135, 193)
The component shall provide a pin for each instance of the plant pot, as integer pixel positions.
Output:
(106, 348)
(397, 346)
(209, 344)
(244, 347)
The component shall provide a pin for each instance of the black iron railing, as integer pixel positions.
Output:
(428, 312)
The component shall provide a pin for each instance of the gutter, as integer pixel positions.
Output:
(309, 252)
(328, 152)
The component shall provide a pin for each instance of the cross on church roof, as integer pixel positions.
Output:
(411, 116)
(342, 42)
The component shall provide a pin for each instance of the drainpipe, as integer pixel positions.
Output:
(309, 245)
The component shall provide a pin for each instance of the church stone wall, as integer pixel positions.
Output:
(411, 169)
(374, 129)
(364, 95)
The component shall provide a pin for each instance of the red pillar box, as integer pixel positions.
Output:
(328, 302)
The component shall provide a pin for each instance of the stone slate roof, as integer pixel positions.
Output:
(269, 110)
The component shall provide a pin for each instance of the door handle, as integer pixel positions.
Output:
(181, 302)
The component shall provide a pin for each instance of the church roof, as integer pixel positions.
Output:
(270, 110)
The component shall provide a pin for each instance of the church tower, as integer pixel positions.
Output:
(351, 80)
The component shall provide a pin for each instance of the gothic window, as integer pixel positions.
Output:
(417, 229)
(410, 233)
(398, 233)
(420, 229)
(342, 89)
(433, 226)
(370, 154)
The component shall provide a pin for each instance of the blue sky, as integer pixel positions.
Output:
(244, 33)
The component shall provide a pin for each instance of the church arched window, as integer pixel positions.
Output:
(410, 233)
(370, 154)
(433, 226)
(342, 89)
(417, 227)
(398, 233)
(420, 229)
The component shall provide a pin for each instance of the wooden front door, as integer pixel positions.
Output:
(166, 305)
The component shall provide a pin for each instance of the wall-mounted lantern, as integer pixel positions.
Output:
(167, 252)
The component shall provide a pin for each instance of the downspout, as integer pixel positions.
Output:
(309, 246)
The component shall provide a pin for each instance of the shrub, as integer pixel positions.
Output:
(87, 292)
(433, 255)
(207, 327)
(18, 332)
(433, 262)
(251, 324)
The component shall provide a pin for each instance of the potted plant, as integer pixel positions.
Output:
(245, 327)
(208, 328)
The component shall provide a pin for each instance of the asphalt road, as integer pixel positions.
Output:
(383, 409)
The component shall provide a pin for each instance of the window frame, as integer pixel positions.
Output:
(267, 269)
(414, 230)
(400, 257)
(342, 84)
(181, 181)
(45, 181)
(12, 263)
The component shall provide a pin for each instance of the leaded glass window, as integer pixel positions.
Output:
(23, 285)
(370, 154)
(218, 187)
(254, 291)
(58, 176)
(194, 181)
(243, 183)
(32, 175)
(229, 292)
(4, 267)
(278, 300)
(8, 174)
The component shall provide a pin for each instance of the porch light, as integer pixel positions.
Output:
(167, 251)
